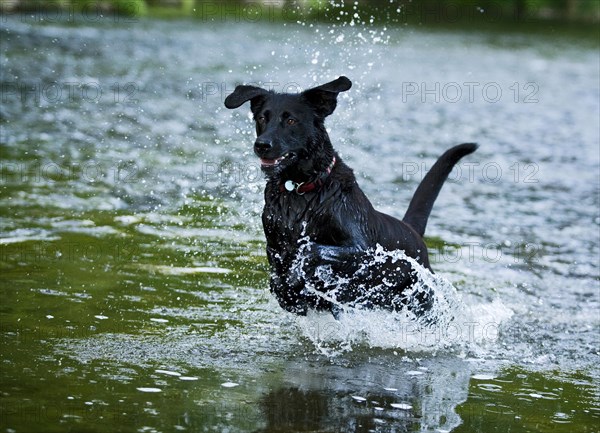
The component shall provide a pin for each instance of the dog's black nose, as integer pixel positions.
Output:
(262, 146)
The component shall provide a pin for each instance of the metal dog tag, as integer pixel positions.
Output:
(289, 185)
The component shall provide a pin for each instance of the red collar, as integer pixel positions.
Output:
(304, 187)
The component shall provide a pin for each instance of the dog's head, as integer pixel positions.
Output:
(290, 128)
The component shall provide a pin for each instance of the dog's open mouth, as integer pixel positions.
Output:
(274, 162)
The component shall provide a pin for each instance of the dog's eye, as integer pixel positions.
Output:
(291, 121)
(261, 119)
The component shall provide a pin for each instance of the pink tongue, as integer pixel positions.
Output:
(264, 161)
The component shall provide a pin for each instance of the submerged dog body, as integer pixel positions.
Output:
(316, 218)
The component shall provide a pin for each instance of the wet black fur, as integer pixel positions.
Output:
(339, 220)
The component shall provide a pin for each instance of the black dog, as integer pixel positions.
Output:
(317, 220)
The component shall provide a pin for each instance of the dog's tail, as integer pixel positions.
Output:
(420, 206)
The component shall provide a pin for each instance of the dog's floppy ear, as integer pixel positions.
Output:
(324, 97)
(243, 94)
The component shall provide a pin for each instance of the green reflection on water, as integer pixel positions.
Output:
(524, 401)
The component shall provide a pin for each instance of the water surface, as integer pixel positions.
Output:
(134, 280)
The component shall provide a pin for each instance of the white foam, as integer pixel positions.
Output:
(127, 219)
(448, 325)
(402, 406)
(168, 372)
(149, 389)
(483, 376)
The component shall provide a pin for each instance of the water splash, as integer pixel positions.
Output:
(449, 325)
